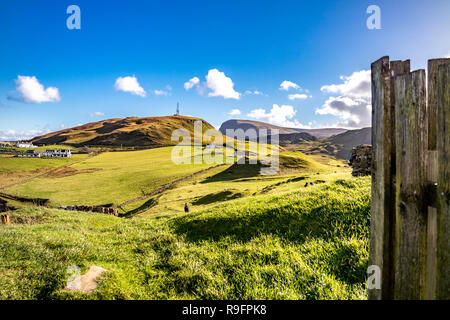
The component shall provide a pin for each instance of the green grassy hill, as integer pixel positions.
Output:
(338, 146)
(132, 131)
(111, 177)
(116, 177)
(306, 244)
(300, 234)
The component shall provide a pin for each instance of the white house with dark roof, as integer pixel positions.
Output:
(60, 153)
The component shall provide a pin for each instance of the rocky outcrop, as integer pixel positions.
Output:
(99, 209)
(361, 160)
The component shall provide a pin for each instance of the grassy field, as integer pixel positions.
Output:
(112, 177)
(310, 243)
(301, 234)
(16, 170)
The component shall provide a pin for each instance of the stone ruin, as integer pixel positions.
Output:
(99, 209)
(361, 160)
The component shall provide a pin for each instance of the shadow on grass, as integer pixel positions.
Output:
(235, 172)
(289, 222)
(147, 205)
(216, 197)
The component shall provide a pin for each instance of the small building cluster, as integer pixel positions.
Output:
(361, 160)
(5, 145)
(25, 145)
(60, 153)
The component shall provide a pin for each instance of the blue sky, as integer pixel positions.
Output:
(244, 47)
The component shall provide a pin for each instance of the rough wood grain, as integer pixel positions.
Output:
(380, 169)
(411, 213)
(383, 171)
(443, 184)
(433, 66)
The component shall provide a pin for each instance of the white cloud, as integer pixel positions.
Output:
(356, 85)
(14, 135)
(234, 112)
(254, 92)
(356, 112)
(96, 114)
(160, 93)
(278, 115)
(353, 105)
(191, 83)
(31, 91)
(447, 55)
(300, 96)
(286, 85)
(131, 85)
(220, 85)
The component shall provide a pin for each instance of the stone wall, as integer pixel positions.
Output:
(361, 160)
(106, 210)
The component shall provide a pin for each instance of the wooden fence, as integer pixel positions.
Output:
(410, 213)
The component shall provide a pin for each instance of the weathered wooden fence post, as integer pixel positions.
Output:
(410, 218)
(443, 184)
(410, 213)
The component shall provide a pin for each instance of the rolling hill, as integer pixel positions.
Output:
(257, 125)
(344, 142)
(338, 146)
(131, 131)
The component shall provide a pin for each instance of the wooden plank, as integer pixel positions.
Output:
(396, 68)
(410, 239)
(443, 184)
(431, 254)
(433, 66)
(432, 174)
(380, 170)
(383, 172)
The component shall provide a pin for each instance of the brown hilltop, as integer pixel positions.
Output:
(131, 131)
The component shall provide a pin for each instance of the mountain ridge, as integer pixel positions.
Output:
(130, 131)
(257, 125)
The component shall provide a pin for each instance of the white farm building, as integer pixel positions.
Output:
(25, 145)
(61, 153)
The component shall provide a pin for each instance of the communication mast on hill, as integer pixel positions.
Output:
(178, 109)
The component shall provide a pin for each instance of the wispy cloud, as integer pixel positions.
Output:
(96, 114)
(14, 135)
(234, 112)
(160, 93)
(253, 92)
(300, 96)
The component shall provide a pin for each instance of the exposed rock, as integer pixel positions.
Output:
(361, 160)
(87, 283)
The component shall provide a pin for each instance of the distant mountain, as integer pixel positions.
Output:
(249, 124)
(344, 142)
(132, 131)
(339, 145)
(296, 137)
